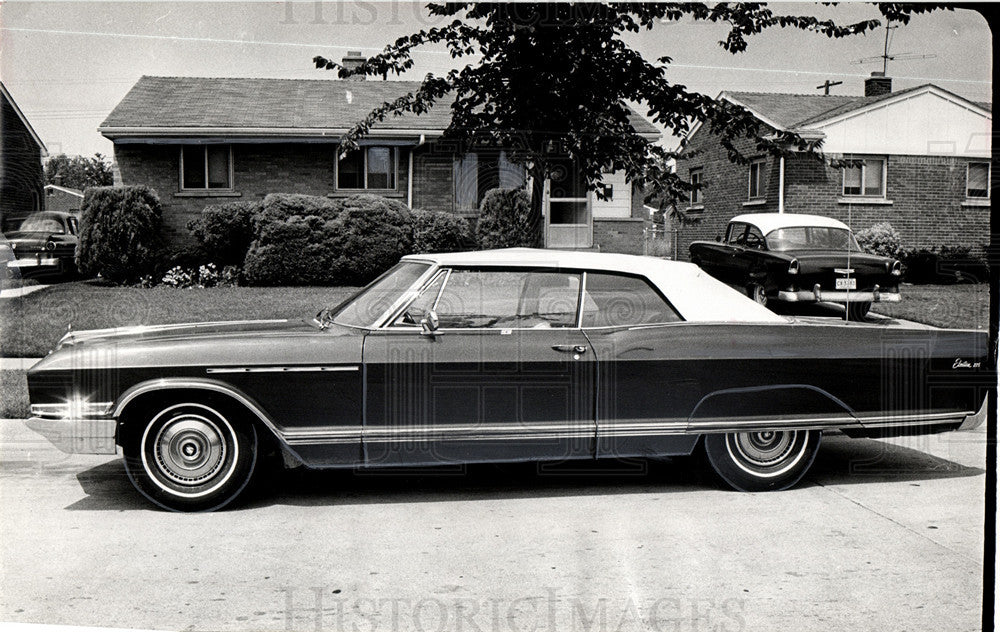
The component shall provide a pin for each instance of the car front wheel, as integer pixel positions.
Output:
(756, 292)
(190, 456)
(770, 460)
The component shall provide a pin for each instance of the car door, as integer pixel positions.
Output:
(507, 374)
(749, 258)
(640, 406)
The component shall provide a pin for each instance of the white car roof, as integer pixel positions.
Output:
(767, 222)
(695, 294)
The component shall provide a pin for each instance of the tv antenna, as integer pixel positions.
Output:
(886, 56)
(826, 85)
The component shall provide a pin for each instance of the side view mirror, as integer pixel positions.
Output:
(429, 323)
(718, 238)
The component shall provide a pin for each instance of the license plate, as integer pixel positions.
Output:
(846, 284)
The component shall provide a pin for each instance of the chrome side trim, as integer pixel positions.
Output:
(971, 422)
(196, 383)
(282, 369)
(882, 421)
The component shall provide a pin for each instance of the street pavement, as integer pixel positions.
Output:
(882, 535)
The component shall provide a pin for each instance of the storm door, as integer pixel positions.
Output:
(569, 221)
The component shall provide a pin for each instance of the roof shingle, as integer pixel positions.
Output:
(307, 104)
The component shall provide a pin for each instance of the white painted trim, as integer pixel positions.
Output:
(781, 184)
(64, 190)
(333, 133)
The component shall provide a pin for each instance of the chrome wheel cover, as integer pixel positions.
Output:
(192, 453)
(767, 453)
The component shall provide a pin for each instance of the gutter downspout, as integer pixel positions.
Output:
(781, 184)
(409, 172)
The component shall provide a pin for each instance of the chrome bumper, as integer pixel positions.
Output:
(33, 262)
(817, 295)
(971, 422)
(77, 436)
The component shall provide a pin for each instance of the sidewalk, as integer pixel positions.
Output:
(17, 292)
(17, 364)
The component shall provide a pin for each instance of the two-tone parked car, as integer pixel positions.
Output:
(45, 244)
(797, 258)
(505, 355)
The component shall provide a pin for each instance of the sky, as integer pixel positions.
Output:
(67, 64)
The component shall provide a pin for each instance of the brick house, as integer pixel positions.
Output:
(21, 173)
(201, 141)
(60, 198)
(921, 161)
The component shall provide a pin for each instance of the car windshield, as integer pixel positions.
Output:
(42, 224)
(364, 308)
(812, 238)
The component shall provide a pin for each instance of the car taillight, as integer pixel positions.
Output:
(793, 266)
(896, 268)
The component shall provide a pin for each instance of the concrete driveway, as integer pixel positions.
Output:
(883, 535)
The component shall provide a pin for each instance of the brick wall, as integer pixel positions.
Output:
(257, 171)
(623, 234)
(928, 207)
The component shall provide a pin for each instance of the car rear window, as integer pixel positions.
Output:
(612, 300)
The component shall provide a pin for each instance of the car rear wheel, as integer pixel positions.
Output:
(858, 310)
(770, 460)
(190, 456)
(757, 293)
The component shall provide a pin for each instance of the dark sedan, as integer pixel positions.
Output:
(45, 244)
(799, 259)
(505, 355)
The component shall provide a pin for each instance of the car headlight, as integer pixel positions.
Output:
(73, 408)
(896, 268)
(793, 266)
(50, 245)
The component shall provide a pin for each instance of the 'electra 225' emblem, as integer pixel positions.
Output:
(965, 364)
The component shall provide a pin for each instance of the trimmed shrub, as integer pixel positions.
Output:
(880, 239)
(505, 220)
(121, 233)
(438, 231)
(358, 238)
(945, 265)
(278, 207)
(225, 231)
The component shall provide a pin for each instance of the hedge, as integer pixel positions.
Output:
(505, 220)
(945, 265)
(121, 233)
(225, 231)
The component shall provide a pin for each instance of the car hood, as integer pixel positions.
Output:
(184, 331)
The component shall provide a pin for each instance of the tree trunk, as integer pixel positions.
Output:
(537, 199)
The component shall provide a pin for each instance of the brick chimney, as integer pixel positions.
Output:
(877, 85)
(352, 60)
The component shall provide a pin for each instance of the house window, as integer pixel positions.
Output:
(977, 180)
(756, 186)
(866, 178)
(206, 167)
(695, 177)
(368, 168)
(475, 173)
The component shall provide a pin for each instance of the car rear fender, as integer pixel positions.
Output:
(770, 407)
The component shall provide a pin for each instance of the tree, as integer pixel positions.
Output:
(553, 81)
(79, 172)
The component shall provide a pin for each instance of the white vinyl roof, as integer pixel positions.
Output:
(695, 294)
(767, 222)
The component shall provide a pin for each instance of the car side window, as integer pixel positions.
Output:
(425, 302)
(754, 238)
(507, 299)
(74, 226)
(736, 233)
(612, 300)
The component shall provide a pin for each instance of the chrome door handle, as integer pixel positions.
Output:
(570, 348)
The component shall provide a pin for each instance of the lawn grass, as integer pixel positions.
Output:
(13, 395)
(954, 306)
(31, 325)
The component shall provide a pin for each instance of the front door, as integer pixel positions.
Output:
(568, 215)
(508, 375)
